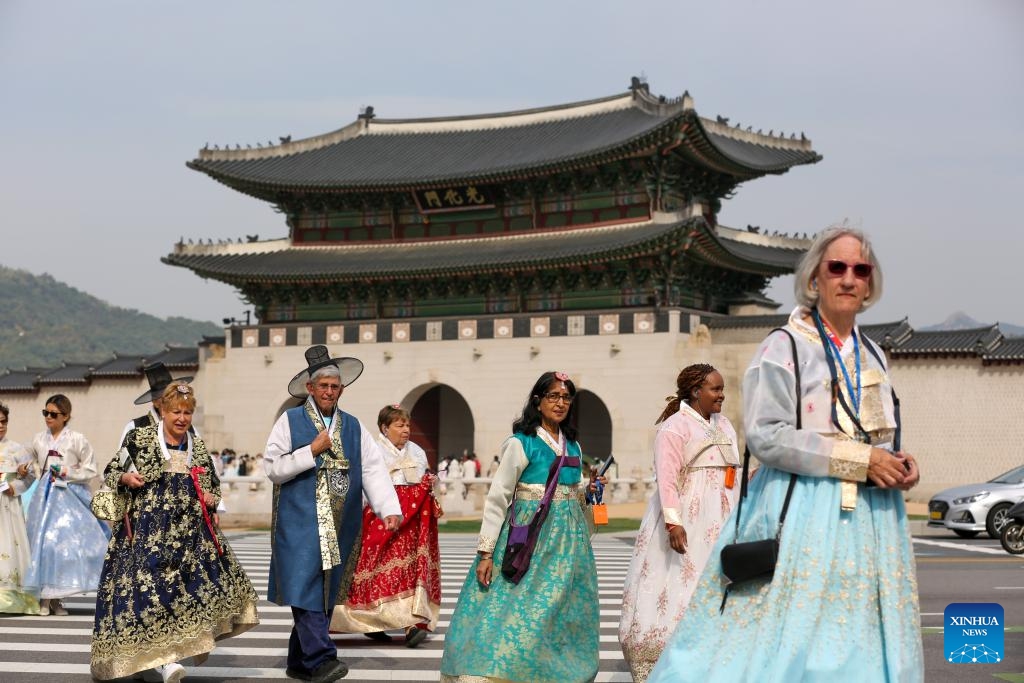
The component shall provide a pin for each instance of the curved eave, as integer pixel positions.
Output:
(746, 159)
(576, 248)
(739, 256)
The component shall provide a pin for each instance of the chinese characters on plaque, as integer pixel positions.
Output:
(455, 198)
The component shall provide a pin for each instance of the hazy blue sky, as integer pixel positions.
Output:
(917, 107)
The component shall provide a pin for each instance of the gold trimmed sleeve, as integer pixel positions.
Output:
(849, 461)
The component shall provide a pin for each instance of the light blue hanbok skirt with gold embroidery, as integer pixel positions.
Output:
(546, 628)
(68, 542)
(842, 605)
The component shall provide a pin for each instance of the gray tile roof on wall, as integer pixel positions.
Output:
(951, 342)
(68, 373)
(19, 380)
(1011, 349)
(177, 357)
(471, 255)
(121, 365)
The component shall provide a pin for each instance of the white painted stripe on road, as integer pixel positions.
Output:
(257, 673)
(957, 546)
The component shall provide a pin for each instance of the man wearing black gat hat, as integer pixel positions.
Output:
(158, 377)
(322, 461)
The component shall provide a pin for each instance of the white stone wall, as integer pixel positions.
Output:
(960, 418)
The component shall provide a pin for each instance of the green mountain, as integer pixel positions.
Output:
(44, 322)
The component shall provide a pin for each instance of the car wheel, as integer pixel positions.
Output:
(963, 533)
(1012, 538)
(997, 519)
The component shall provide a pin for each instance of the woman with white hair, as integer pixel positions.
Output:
(842, 603)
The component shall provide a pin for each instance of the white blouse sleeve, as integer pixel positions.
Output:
(82, 463)
(503, 488)
(377, 485)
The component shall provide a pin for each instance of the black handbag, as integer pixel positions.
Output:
(755, 560)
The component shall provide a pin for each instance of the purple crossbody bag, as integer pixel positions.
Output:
(523, 538)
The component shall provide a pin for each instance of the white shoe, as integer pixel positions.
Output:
(44, 608)
(171, 673)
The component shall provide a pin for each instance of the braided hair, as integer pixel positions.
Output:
(690, 379)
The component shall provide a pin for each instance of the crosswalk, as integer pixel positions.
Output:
(57, 648)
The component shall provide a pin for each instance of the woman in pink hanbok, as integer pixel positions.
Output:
(695, 463)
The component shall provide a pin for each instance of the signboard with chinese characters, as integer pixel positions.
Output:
(454, 198)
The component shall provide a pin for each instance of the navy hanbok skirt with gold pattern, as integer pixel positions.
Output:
(165, 594)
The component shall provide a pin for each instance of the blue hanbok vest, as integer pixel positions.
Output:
(296, 574)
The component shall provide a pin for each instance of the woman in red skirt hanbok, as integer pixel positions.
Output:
(397, 580)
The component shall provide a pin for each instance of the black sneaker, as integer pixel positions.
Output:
(379, 636)
(297, 674)
(329, 671)
(414, 636)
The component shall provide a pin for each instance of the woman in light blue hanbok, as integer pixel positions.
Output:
(68, 542)
(842, 605)
(546, 627)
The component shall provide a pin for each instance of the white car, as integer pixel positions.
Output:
(969, 510)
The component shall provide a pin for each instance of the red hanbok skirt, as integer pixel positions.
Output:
(397, 581)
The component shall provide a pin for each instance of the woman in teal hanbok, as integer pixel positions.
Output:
(545, 628)
(842, 605)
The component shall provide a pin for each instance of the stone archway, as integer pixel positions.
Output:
(291, 402)
(595, 426)
(442, 422)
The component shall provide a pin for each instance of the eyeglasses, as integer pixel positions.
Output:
(555, 397)
(50, 414)
(838, 269)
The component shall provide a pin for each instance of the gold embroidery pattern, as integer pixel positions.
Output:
(536, 492)
(165, 594)
(486, 544)
(331, 491)
(849, 460)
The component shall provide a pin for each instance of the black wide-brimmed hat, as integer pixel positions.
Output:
(319, 357)
(159, 377)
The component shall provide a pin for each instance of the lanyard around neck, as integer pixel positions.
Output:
(834, 349)
(827, 344)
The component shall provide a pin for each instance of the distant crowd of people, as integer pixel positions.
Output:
(800, 569)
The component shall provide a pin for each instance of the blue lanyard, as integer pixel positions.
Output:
(854, 395)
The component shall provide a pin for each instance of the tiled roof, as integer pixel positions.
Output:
(282, 261)
(975, 341)
(177, 358)
(68, 373)
(19, 380)
(1011, 349)
(376, 153)
(121, 365)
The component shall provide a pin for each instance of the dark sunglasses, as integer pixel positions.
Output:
(838, 269)
(51, 414)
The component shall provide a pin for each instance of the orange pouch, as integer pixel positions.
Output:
(600, 511)
(730, 477)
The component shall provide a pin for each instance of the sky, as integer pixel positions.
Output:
(917, 107)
